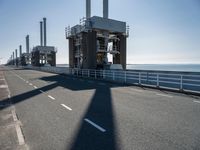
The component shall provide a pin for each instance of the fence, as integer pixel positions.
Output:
(181, 81)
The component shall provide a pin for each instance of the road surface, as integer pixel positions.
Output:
(67, 113)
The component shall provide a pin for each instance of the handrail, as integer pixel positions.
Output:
(181, 82)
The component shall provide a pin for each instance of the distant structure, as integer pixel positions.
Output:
(43, 55)
(91, 41)
(25, 58)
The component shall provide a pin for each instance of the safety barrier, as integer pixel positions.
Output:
(181, 81)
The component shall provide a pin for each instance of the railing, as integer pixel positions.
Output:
(189, 82)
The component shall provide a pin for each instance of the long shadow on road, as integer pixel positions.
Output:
(100, 111)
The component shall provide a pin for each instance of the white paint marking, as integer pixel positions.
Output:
(3, 86)
(19, 135)
(164, 95)
(51, 97)
(2, 79)
(66, 107)
(196, 102)
(30, 84)
(95, 125)
(18, 129)
(14, 115)
(42, 91)
(35, 87)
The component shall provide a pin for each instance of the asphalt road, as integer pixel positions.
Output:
(64, 113)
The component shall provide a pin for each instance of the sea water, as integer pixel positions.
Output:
(158, 67)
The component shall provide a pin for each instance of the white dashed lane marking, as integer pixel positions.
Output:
(65, 106)
(42, 91)
(196, 102)
(51, 97)
(35, 87)
(95, 125)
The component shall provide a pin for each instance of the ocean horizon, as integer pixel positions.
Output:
(158, 67)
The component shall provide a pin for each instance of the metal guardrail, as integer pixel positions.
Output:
(175, 81)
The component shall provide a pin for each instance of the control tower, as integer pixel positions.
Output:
(91, 41)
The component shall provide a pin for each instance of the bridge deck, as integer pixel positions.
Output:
(60, 112)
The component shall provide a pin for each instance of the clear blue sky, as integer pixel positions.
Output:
(161, 31)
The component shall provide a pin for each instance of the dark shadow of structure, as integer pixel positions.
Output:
(100, 110)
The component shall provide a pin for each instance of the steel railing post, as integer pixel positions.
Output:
(125, 76)
(157, 80)
(181, 83)
(113, 75)
(139, 78)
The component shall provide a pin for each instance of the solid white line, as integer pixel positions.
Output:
(18, 129)
(66, 107)
(14, 115)
(196, 102)
(35, 87)
(95, 125)
(42, 91)
(19, 135)
(51, 97)
(164, 95)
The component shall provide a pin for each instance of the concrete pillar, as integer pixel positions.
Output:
(123, 51)
(16, 62)
(88, 8)
(71, 53)
(91, 50)
(20, 51)
(41, 34)
(45, 33)
(27, 44)
(13, 58)
(105, 8)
